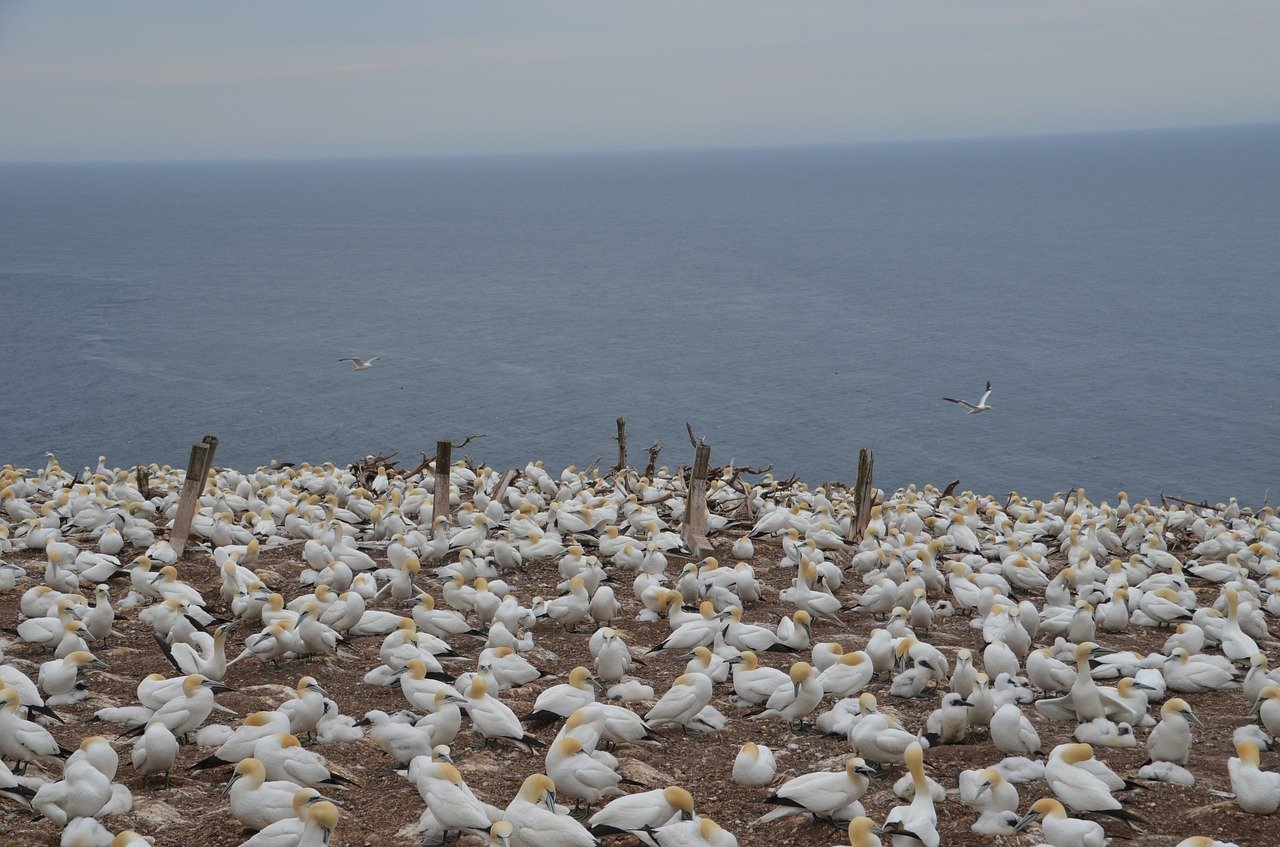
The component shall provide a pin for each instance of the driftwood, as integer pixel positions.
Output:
(366, 470)
(1201, 505)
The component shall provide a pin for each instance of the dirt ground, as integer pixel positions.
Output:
(383, 809)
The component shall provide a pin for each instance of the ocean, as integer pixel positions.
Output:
(1121, 292)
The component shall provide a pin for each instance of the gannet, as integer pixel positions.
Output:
(1257, 791)
(535, 821)
(1080, 781)
(559, 701)
(689, 694)
(917, 822)
(22, 740)
(1059, 829)
(155, 751)
(822, 794)
(974, 408)
(1171, 739)
(754, 766)
(493, 719)
(255, 802)
(645, 810)
(578, 774)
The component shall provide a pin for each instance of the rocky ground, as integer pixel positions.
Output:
(383, 809)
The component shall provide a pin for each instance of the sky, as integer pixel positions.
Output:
(177, 79)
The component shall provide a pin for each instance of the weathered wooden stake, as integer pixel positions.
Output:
(444, 460)
(504, 482)
(695, 507)
(863, 493)
(654, 449)
(622, 445)
(143, 475)
(198, 467)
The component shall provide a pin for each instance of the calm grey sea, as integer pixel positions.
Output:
(1121, 291)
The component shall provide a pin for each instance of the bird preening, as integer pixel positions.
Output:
(974, 408)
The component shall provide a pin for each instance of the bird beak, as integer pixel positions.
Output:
(1191, 716)
(549, 799)
(877, 830)
(1257, 707)
(363, 722)
(1144, 686)
(157, 578)
(981, 788)
(98, 663)
(686, 657)
(230, 782)
(865, 770)
(1027, 819)
(217, 687)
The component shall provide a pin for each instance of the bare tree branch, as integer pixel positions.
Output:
(472, 437)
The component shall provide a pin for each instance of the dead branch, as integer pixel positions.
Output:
(422, 466)
(472, 437)
(654, 449)
(1201, 505)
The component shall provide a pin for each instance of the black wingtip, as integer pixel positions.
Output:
(209, 762)
(19, 791)
(47, 712)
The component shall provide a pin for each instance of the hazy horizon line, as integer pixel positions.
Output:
(608, 151)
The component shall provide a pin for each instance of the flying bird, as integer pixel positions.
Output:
(981, 405)
(361, 364)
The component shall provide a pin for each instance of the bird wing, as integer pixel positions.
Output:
(964, 403)
(985, 394)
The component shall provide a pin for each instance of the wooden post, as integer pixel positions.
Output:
(198, 467)
(654, 449)
(143, 476)
(622, 445)
(444, 460)
(863, 493)
(695, 507)
(504, 482)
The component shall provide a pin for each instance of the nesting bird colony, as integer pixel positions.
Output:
(549, 665)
